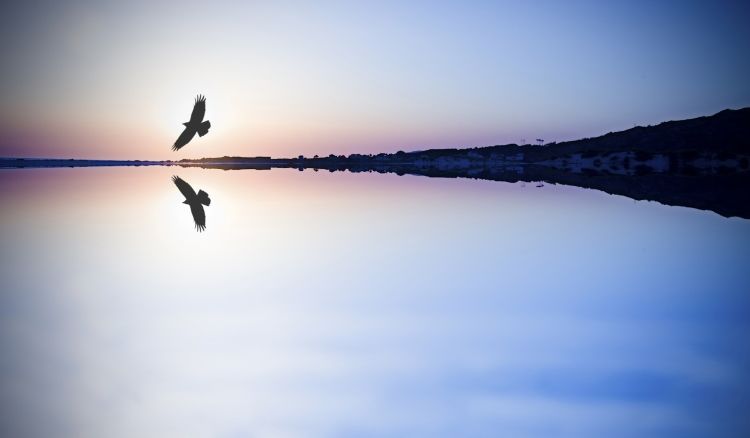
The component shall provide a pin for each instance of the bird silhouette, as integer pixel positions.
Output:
(195, 125)
(195, 201)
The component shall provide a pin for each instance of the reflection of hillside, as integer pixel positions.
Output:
(725, 192)
(727, 195)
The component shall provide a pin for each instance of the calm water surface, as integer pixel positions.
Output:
(351, 305)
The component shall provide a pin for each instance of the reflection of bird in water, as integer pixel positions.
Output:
(195, 201)
(195, 125)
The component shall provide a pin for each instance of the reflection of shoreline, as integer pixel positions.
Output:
(727, 194)
(724, 192)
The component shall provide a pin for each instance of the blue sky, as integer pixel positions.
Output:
(113, 80)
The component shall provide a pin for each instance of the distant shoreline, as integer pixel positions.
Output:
(15, 163)
(721, 140)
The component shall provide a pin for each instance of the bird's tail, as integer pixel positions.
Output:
(203, 128)
(203, 198)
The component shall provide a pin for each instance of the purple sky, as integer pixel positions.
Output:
(115, 80)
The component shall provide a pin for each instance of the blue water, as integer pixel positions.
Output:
(323, 304)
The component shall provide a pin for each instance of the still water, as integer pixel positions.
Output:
(321, 304)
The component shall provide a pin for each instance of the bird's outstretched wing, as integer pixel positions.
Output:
(184, 187)
(199, 216)
(184, 138)
(199, 110)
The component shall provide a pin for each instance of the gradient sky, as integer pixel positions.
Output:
(97, 80)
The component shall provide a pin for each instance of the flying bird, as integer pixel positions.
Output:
(195, 125)
(195, 201)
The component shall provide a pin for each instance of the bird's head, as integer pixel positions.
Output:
(185, 202)
(185, 124)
